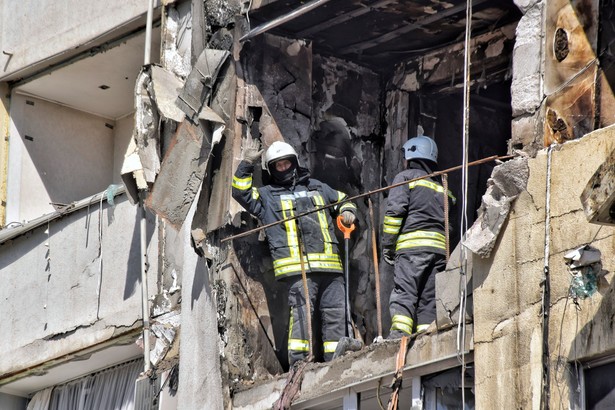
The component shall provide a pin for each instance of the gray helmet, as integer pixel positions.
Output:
(421, 147)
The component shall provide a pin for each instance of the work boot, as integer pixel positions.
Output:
(347, 344)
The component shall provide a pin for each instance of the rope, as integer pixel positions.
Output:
(461, 332)
(366, 194)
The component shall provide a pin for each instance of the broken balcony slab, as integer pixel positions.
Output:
(503, 187)
(200, 82)
(166, 88)
(181, 174)
(361, 371)
(598, 197)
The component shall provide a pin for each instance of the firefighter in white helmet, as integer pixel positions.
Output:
(413, 238)
(293, 192)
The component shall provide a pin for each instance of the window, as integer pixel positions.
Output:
(442, 391)
(599, 386)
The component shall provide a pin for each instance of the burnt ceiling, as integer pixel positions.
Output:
(380, 33)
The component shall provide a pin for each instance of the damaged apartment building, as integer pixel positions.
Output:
(131, 278)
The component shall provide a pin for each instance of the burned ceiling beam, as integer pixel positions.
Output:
(342, 18)
(406, 28)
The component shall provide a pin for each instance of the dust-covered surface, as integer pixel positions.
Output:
(363, 370)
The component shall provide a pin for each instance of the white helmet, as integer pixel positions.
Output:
(421, 147)
(279, 150)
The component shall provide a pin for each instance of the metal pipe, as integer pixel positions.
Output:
(546, 293)
(143, 222)
(144, 293)
(148, 33)
(283, 19)
(365, 194)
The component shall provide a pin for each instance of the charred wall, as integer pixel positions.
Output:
(348, 124)
(562, 72)
(329, 110)
(426, 93)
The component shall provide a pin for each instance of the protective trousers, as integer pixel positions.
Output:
(327, 296)
(412, 304)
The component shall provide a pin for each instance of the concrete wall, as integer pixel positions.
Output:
(57, 154)
(36, 30)
(58, 297)
(508, 292)
(9, 402)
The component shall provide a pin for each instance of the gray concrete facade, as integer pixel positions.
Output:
(72, 283)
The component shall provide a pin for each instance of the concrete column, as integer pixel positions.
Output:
(4, 148)
(417, 402)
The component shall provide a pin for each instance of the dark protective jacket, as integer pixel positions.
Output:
(272, 203)
(414, 215)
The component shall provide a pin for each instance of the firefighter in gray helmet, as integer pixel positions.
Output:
(293, 192)
(413, 238)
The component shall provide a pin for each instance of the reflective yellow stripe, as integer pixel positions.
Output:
(311, 258)
(299, 345)
(407, 320)
(255, 194)
(392, 231)
(392, 220)
(421, 238)
(421, 328)
(431, 185)
(392, 225)
(402, 323)
(324, 226)
(403, 328)
(419, 243)
(329, 347)
(422, 235)
(347, 206)
(296, 267)
(243, 184)
(291, 228)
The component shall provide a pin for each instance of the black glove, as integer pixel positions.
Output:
(388, 254)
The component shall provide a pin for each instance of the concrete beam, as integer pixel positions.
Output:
(361, 371)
